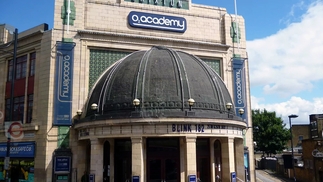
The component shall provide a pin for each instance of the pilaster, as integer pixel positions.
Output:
(190, 155)
(239, 158)
(228, 158)
(96, 164)
(137, 158)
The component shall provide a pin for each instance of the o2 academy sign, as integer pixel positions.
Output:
(180, 4)
(157, 22)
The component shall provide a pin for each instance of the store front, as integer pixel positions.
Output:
(21, 161)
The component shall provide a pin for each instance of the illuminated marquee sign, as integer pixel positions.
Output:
(157, 22)
(180, 4)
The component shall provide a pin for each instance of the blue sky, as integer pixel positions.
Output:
(284, 43)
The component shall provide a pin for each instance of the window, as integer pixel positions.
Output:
(18, 109)
(18, 106)
(21, 67)
(300, 138)
(7, 113)
(30, 108)
(32, 61)
(9, 76)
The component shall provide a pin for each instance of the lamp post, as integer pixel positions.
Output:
(94, 108)
(191, 103)
(291, 141)
(241, 112)
(13, 74)
(79, 113)
(136, 103)
(229, 107)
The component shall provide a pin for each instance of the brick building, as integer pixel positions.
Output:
(129, 90)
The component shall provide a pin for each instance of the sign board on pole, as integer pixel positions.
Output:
(6, 163)
(192, 178)
(62, 164)
(14, 130)
(92, 178)
(233, 177)
(135, 179)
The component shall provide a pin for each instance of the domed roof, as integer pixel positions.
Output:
(163, 80)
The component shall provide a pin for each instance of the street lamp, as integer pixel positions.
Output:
(291, 140)
(229, 107)
(79, 113)
(13, 74)
(191, 103)
(241, 112)
(94, 108)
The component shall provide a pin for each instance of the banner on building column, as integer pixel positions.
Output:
(239, 87)
(63, 84)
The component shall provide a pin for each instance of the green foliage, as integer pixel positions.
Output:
(269, 132)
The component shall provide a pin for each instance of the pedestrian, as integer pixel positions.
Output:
(85, 177)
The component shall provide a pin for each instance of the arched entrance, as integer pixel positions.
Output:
(203, 159)
(163, 160)
(122, 160)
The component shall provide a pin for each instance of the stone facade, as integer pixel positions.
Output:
(103, 25)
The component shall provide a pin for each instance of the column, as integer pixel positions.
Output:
(190, 156)
(96, 164)
(228, 158)
(239, 156)
(137, 158)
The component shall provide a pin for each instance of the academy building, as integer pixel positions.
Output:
(127, 90)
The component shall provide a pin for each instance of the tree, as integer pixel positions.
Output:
(269, 132)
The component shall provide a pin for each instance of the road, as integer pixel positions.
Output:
(263, 176)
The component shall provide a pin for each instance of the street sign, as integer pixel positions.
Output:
(192, 178)
(6, 163)
(233, 177)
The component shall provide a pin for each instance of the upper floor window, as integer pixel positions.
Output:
(18, 109)
(21, 68)
(18, 112)
(30, 108)
(10, 66)
(32, 64)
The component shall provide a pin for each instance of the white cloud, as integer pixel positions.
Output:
(295, 105)
(289, 61)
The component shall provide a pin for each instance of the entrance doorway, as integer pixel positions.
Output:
(163, 159)
(203, 159)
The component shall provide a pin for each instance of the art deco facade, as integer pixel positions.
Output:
(130, 90)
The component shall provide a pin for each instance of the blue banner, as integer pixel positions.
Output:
(18, 149)
(63, 84)
(239, 87)
(62, 164)
(156, 21)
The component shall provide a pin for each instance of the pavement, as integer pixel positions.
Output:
(270, 176)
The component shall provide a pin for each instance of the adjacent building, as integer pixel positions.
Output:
(128, 90)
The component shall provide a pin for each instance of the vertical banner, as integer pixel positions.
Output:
(63, 84)
(239, 87)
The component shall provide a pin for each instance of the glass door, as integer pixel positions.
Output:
(163, 160)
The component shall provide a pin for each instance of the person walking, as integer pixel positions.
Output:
(85, 177)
